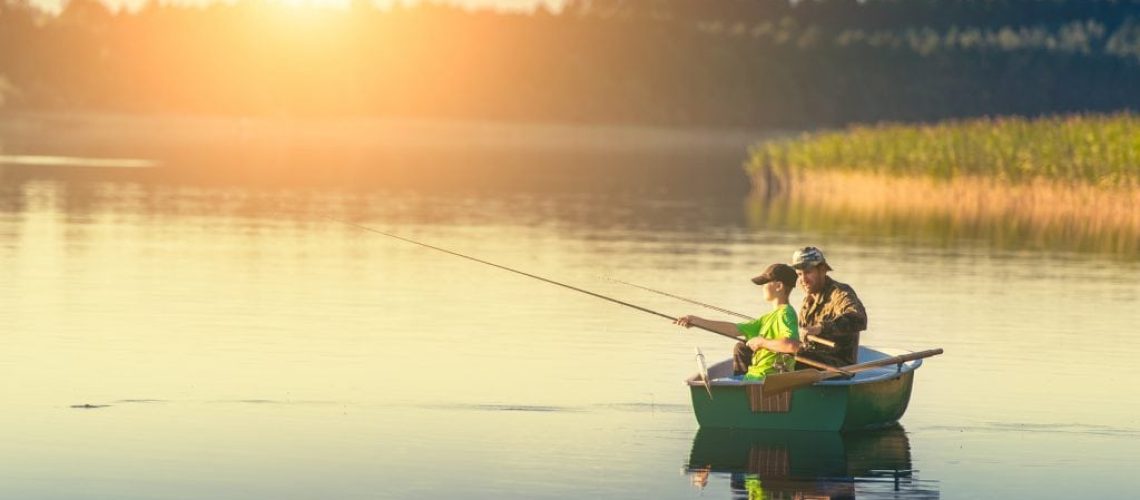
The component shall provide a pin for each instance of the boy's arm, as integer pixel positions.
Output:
(722, 327)
(789, 341)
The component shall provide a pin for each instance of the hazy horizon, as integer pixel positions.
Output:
(56, 6)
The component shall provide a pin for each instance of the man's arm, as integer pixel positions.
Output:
(846, 313)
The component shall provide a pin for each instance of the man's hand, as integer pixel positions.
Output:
(812, 330)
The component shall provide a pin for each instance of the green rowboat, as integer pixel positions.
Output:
(874, 398)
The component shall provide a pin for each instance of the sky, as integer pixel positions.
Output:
(512, 5)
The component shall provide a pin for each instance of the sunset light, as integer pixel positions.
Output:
(569, 249)
(56, 6)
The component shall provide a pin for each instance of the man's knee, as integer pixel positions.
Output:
(742, 349)
(741, 358)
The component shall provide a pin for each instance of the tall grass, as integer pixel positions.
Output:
(1068, 182)
(1096, 150)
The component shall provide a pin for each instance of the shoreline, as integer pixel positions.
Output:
(385, 152)
(1064, 180)
(20, 131)
(1039, 213)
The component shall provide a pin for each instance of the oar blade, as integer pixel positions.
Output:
(703, 370)
(782, 382)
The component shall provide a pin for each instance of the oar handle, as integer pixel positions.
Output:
(819, 340)
(820, 366)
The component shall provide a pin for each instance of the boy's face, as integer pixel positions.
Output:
(772, 290)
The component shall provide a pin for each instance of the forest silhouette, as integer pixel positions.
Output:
(734, 63)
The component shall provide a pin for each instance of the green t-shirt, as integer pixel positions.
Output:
(779, 324)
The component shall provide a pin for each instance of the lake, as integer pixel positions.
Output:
(219, 326)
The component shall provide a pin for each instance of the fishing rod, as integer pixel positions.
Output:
(529, 275)
(814, 364)
(678, 297)
(810, 338)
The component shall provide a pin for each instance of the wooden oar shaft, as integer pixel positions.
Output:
(820, 366)
(893, 360)
(868, 365)
(780, 382)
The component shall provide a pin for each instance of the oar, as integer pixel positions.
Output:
(781, 382)
(703, 371)
(822, 366)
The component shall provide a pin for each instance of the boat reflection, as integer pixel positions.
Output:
(795, 465)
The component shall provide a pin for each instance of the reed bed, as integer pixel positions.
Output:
(1032, 216)
(1099, 150)
(1072, 179)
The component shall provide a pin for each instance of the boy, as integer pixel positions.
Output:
(768, 339)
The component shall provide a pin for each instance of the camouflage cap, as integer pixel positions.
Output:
(809, 257)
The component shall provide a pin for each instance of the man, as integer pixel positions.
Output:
(830, 310)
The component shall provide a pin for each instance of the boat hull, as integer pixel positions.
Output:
(870, 401)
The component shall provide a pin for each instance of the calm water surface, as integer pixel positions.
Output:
(246, 344)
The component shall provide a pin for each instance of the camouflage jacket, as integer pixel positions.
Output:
(841, 317)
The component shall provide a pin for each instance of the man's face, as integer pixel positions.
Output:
(812, 279)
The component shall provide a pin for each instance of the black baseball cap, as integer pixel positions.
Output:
(782, 273)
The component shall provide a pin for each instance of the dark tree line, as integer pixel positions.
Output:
(669, 62)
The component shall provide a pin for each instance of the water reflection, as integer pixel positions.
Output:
(437, 157)
(646, 190)
(942, 230)
(597, 213)
(775, 464)
(220, 282)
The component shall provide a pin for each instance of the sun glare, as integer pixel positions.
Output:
(320, 4)
(57, 6)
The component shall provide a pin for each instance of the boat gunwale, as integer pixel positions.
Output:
(866, 353)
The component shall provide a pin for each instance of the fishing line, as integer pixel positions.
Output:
(809, 338)
(524, 273)
(678, 297)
